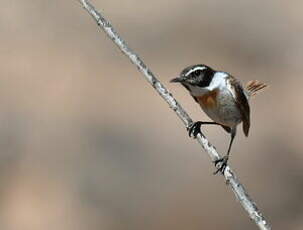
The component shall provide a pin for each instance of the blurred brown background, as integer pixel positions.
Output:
(86, 143)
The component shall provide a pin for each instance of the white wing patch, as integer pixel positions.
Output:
(230, 88)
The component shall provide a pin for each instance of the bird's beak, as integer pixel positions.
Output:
(177, 80)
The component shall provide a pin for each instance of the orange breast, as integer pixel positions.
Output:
(208, 100)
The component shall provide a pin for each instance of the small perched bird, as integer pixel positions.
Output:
(222, 97)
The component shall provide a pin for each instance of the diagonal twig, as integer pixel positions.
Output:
(247, 203)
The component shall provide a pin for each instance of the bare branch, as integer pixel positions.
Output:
(247, 203)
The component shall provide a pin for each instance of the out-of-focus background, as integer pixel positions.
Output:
(86, 143)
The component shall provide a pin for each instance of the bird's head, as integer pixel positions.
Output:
(195, 77)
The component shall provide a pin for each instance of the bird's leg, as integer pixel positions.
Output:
(224, 159)
(194, 129)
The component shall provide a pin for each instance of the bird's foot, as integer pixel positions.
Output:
(195, 129)
(223, 162)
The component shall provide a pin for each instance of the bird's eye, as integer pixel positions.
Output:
(197, 72)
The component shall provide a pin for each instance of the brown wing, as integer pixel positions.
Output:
(242, 103)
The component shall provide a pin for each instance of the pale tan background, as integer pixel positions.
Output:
(86, 143)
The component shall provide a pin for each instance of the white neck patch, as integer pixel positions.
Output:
(218, 81)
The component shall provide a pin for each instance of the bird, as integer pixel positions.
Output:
(223, 98)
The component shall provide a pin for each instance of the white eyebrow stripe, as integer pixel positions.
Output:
(194, 69)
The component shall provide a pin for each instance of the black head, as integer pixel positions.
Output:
(196, 75)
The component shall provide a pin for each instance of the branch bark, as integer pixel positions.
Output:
(242, 196)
